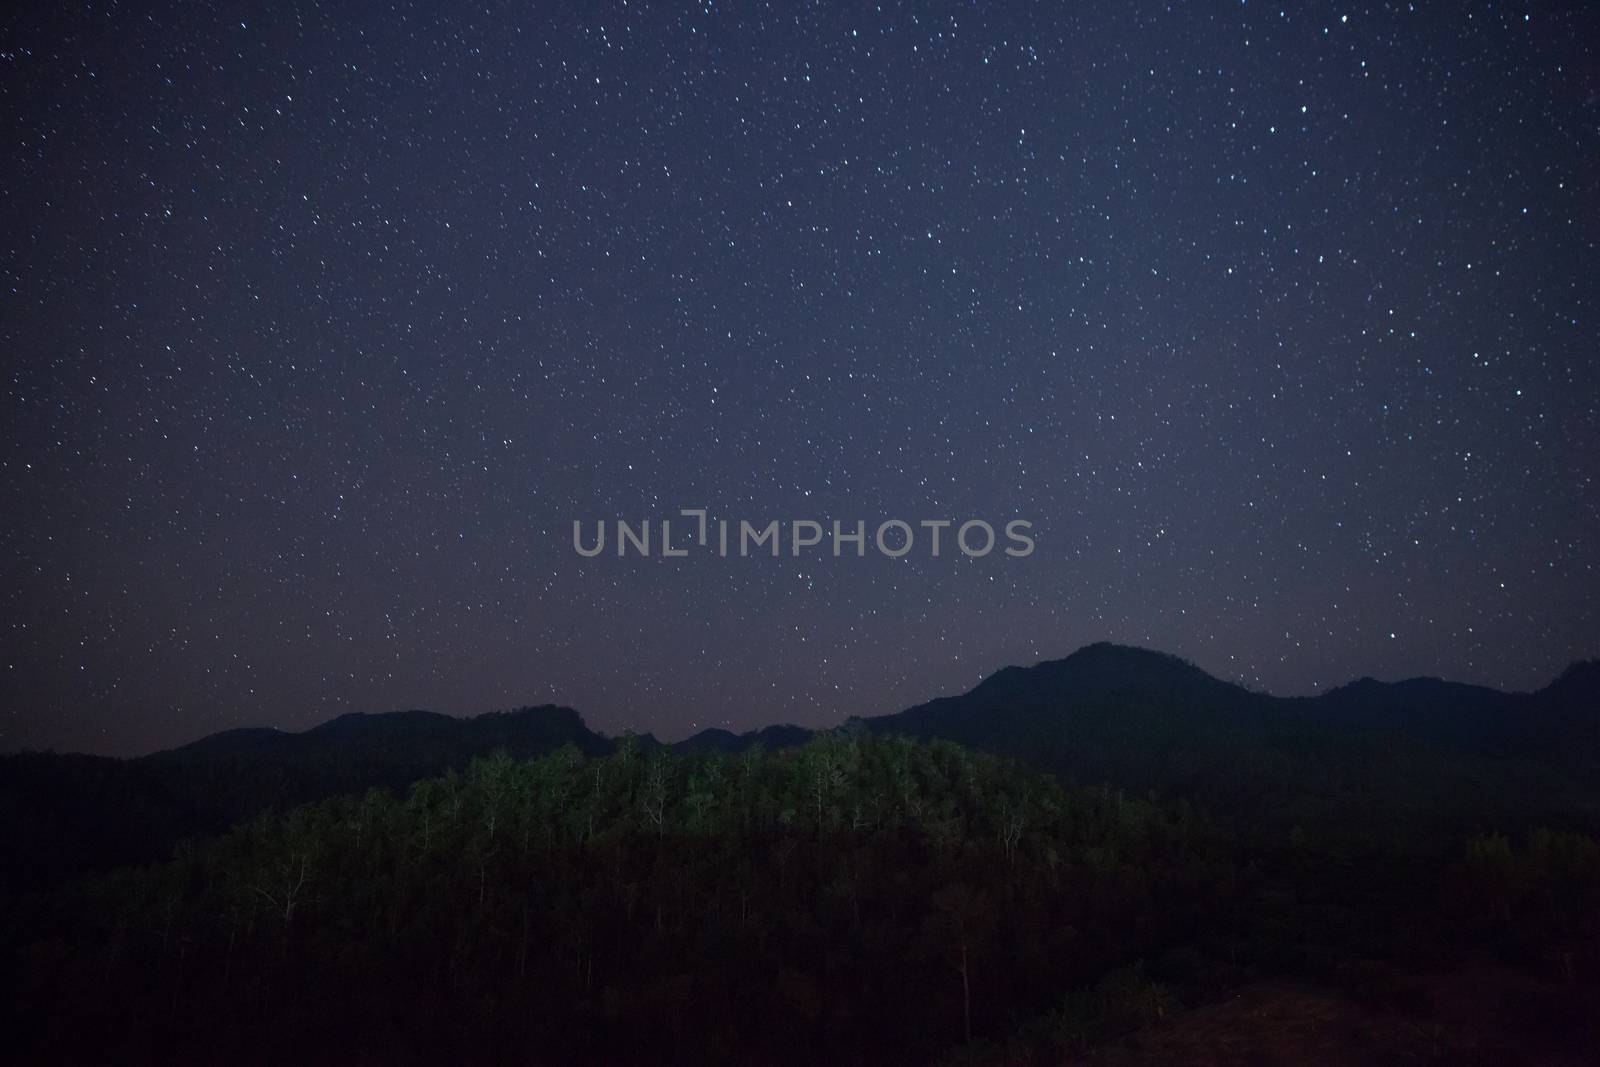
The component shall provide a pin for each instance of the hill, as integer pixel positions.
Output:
(1367, 754)
(69, 815)
(857, 900)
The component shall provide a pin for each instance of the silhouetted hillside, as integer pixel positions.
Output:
(1041, 706)
(859, 900)
(719, 740)
(1367, 752)
(66, 815)
(1105, 714)
(75, 814)
(1565, 718)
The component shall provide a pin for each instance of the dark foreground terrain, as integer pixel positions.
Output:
(1121, 861)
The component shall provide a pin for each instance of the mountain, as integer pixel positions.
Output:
(1130, 717)
(1365, 753)
(73, 814)
(1020, 704)
(726, 741)
(1565, 717)
(848, 899)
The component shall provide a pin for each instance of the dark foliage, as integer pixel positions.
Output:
(515, 888)
(70, 815)
(857, 900)
(1463, 757)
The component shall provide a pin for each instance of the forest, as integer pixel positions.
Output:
(858, 899)
(1111, 858)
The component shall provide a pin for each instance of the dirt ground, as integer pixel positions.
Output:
(1481, 1015)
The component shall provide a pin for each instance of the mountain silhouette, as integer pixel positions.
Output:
(1368, 750)
(1107, 714)
(719, 740)
(72, 814)
(1018, 700)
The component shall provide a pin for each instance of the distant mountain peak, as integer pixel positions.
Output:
(1105, 666)
(355, 721)
(1584, 673)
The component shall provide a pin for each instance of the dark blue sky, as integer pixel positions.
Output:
(323, 323)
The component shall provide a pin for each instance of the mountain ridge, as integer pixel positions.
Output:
(1105, 714)
(1103, 666)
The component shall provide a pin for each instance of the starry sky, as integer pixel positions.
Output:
(322, 324)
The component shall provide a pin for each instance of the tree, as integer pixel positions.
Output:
(961, 918)
(653, 796)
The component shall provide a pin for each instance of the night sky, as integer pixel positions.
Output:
(322, 323)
